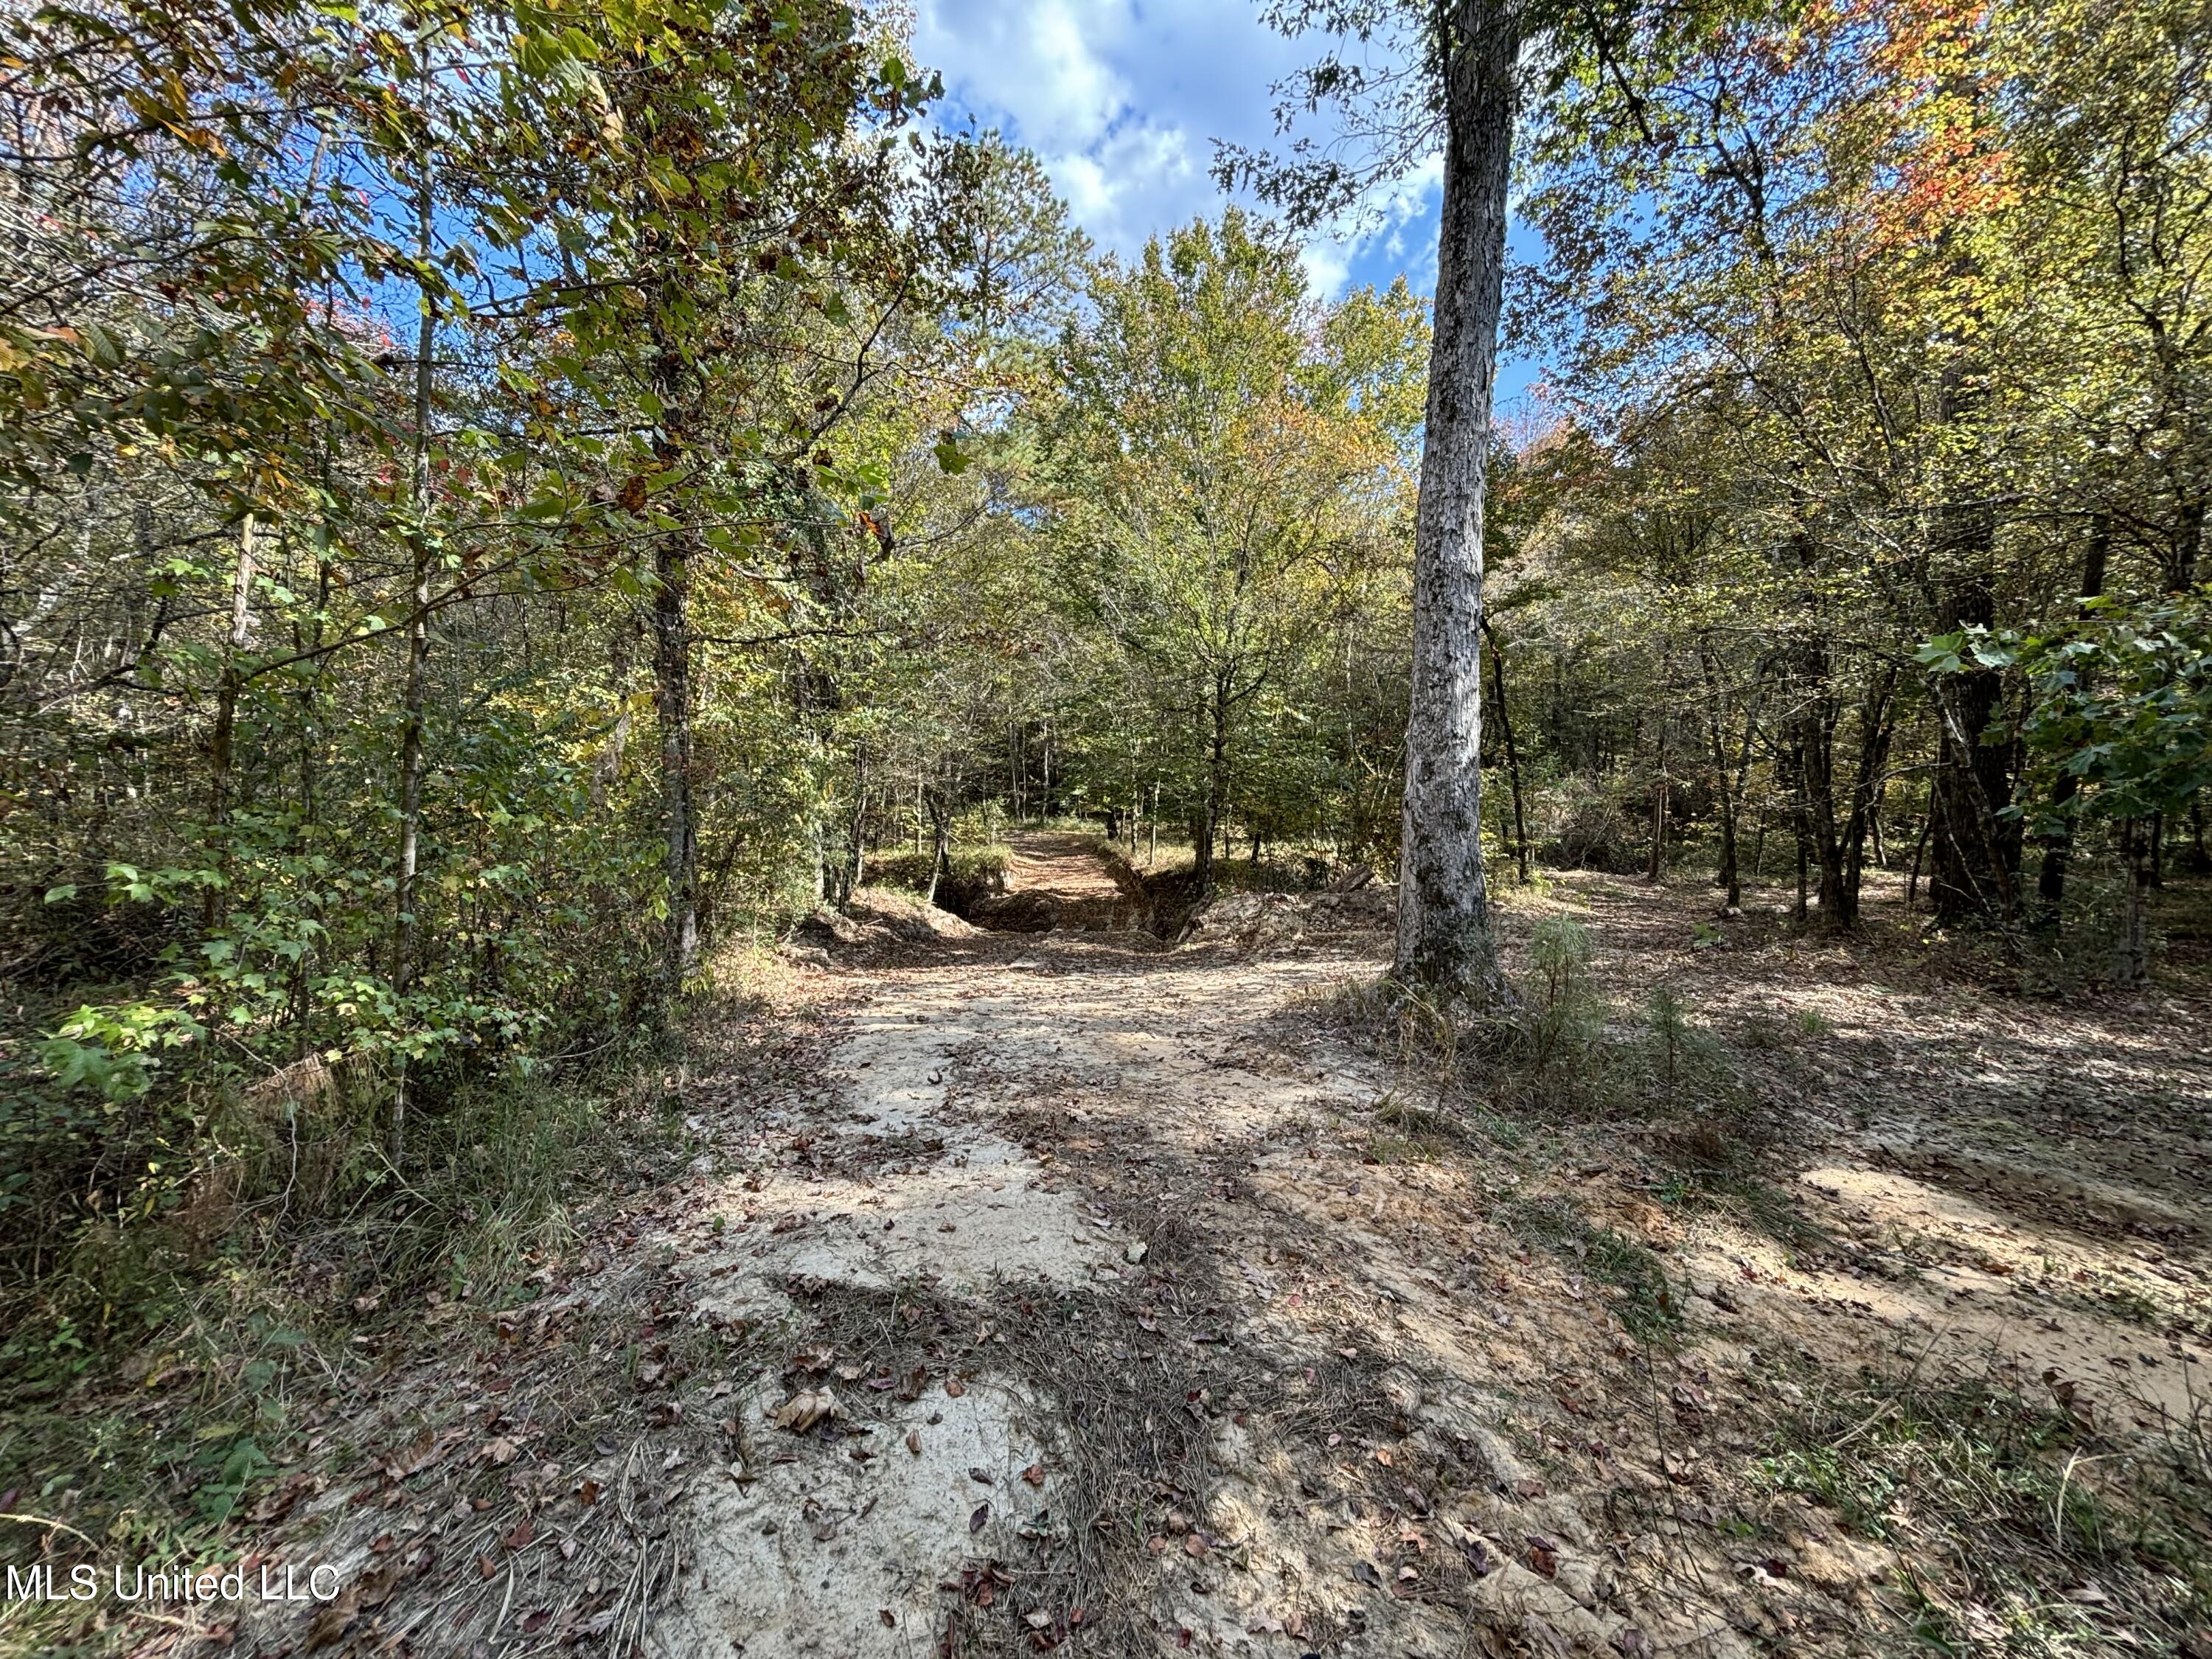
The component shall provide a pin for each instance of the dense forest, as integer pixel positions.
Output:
(508, 510)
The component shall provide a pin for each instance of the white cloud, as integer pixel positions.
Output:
(1124, 101)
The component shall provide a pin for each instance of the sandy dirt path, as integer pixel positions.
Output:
(1123, 1201)
(1061, 1291)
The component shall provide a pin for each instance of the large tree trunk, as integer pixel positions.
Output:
(1444, 943)
(1972, 873)
(1835, 835)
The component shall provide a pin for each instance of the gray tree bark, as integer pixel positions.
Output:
(1444, 943)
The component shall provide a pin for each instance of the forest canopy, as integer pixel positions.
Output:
(495, 496)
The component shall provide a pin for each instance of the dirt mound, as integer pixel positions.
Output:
(1256, 922)
(874, 919)
(907, 916)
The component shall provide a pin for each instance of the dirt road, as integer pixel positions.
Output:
(1073, 1292)
(1286, 1375)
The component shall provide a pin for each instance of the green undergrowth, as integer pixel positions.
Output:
(1565, 1054)
(2019, 1527)
(157, 1376)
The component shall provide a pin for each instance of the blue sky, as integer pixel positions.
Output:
(1122, 99)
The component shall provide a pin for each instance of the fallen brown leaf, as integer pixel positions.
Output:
(805, 1409)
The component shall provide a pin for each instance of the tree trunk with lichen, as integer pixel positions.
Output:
(1445, 948)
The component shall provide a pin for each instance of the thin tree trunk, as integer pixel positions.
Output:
(606, 769)
(1217, 781)
(2058, 841)
(1444, 943)
(1657, 867)
(672, 673)
(226, 721)
(856, 859)
(2133, 965)
(941, 828)
(1512, 757)
(1876, 725)
(1798, 815)
(413, 694)
(1727, 782)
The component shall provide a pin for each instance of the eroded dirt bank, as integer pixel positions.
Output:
(1065, 1291)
